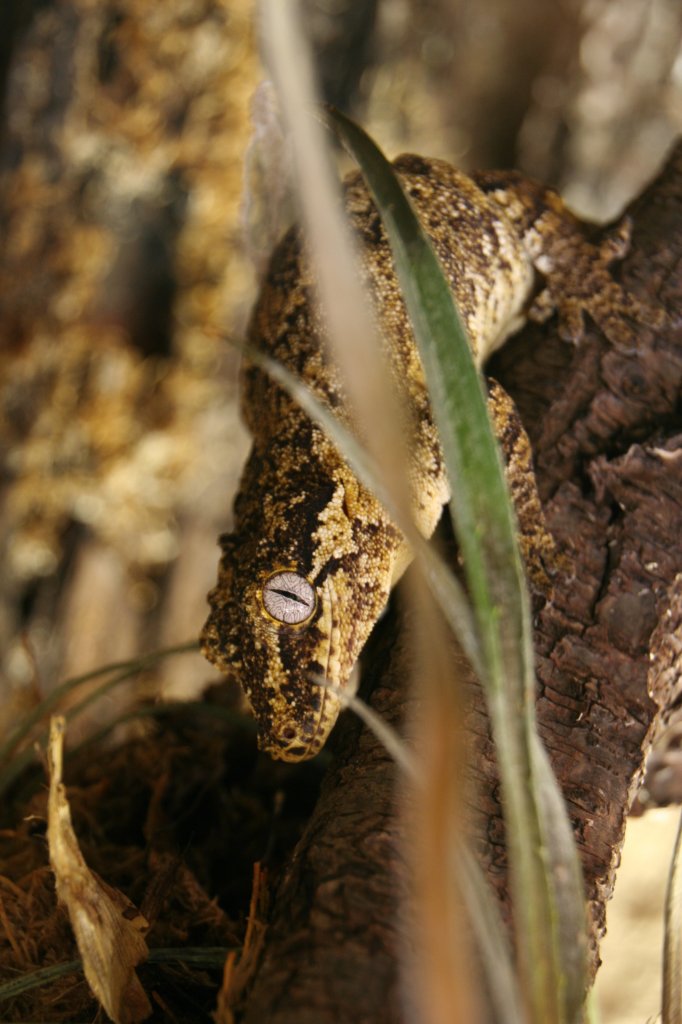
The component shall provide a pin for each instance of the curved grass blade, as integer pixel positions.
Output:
(549, 919)
(158, 711)
(51, 702)
(121, 671)
(196, 956)
(672, 943)
(443, 584)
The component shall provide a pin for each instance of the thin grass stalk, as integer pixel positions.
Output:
(354, 347)
(672, 941)
(549, 924)
(444, 961)
(51, 701)
(351, 334)
(17, 762)
(194, 956)
(444, 585)
(483, 912)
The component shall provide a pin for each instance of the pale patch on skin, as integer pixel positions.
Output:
(300, 510)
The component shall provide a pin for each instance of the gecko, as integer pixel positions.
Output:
(309, 566)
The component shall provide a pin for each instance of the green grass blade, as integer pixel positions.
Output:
(549, 923)
(199, 956)
(349, 335)
(491, 558)
(672, 944)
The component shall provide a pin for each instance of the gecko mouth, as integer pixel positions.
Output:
(289, 744)
(330, 705)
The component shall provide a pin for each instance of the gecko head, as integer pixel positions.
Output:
(293, 644)
(278, 628)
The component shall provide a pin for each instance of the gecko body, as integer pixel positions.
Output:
(310, 564)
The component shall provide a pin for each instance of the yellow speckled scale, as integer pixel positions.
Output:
(309, 567)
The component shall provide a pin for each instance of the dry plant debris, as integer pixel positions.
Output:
(109, 930)
(175, 820)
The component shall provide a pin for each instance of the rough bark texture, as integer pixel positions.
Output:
(607, 432)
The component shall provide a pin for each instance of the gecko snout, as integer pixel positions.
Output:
(290, 745)
(296, 732)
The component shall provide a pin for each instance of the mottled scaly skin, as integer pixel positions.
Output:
(300, 508)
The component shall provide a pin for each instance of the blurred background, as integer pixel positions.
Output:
(142, 184)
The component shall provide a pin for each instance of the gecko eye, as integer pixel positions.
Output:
(289, 598)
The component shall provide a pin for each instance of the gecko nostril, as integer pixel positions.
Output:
(289, 733)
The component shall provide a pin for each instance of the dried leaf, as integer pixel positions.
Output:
(108, 928)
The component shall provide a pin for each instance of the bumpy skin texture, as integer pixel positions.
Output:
(300, 508)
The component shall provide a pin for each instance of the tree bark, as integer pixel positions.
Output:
(607, 437)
